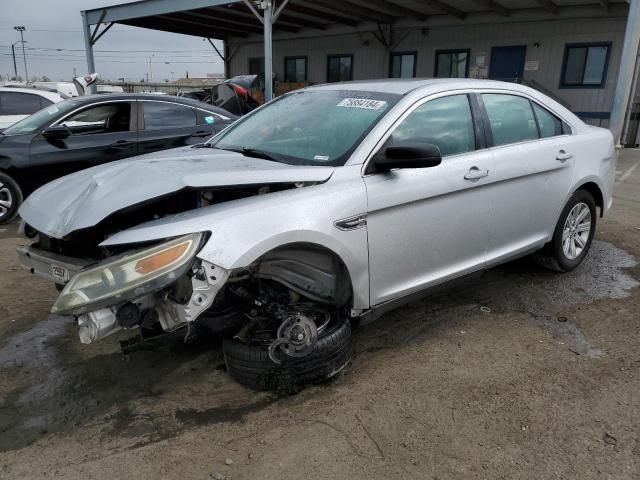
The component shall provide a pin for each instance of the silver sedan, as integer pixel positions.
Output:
(329, 205)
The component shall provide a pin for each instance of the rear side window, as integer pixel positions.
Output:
(161, 115)
(445, 122)
(549, 124)
(18, 103)
(511, 118)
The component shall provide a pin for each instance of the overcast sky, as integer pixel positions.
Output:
(122, 52)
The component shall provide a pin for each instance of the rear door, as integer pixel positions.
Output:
(165, 125)
(99, 133)
(533, 156)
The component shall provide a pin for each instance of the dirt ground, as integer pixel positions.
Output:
(520, 374)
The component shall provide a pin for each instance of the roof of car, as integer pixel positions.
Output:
(402, 86)
(101, 97)
(53, 96)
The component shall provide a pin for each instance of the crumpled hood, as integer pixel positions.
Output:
(85, 198)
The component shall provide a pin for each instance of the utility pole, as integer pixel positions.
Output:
(150, 68)
(21, 29)
(15, 66)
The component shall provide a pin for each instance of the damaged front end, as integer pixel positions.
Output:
(283, 300)
(163, 284)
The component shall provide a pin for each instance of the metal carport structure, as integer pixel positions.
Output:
(224, 19)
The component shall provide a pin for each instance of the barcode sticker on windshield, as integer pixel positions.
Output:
(365, 103)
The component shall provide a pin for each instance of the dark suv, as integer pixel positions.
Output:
(86, 131)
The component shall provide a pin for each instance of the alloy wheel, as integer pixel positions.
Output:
(6, 199)
(576, 231)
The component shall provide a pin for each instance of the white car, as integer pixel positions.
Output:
(330, 203)
(19, 103)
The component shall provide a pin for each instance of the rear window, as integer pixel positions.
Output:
(511, 118)
(161, 115)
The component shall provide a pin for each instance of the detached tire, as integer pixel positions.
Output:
(250, 365)
(573, 235)
(10, 198)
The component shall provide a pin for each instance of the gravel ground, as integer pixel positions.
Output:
(520, 374)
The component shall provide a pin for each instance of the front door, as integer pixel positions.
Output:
(507, 63)
(98, 134)
(428, 225)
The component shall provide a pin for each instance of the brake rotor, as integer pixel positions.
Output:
(296, 337)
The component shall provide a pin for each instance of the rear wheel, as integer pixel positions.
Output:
(250, 364)
(10, 198)
(573, 234)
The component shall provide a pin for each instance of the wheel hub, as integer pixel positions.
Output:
(6, 199)
(576, 231)
(296, 337)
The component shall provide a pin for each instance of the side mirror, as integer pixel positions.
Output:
(407, 155)
(57, 132)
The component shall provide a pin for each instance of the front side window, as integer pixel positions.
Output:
(403, 65)
(161, 115)
(548, 123)
(585, 65)
(308, 127)
(510, 117)
(445, 122)
(18, 103)
(295, 69)
(452, 64)
(339, 68)
(103, 118)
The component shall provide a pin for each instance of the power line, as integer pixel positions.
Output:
(81, 59)
(53, 49)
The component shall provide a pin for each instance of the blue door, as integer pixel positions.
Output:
(507, 63)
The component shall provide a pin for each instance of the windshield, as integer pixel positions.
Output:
(309, 127)
(41, 119)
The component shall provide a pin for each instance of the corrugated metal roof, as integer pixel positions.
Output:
(233, 18)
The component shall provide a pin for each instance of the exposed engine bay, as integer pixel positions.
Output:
(85, 243)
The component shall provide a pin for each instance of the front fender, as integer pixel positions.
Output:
(244, 230)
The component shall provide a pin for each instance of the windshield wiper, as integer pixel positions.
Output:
(251, 152)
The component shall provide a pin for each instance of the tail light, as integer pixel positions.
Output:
(240, 90)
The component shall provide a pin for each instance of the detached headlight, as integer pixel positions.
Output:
(130, 276)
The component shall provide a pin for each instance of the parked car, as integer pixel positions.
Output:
(330, 204)
(236, 95)
(19, 103)
(86, 131)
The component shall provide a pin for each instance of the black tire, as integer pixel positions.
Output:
(552, 255)
(16, 196)
(250, 365)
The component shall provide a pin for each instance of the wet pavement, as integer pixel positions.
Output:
(521, 370)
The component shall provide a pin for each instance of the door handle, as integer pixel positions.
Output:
(201, 134)
(120, 145)
(475, 173)
(563, 156)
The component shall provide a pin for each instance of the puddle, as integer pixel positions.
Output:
(529, 289)
(149, 396)
(31, 347)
